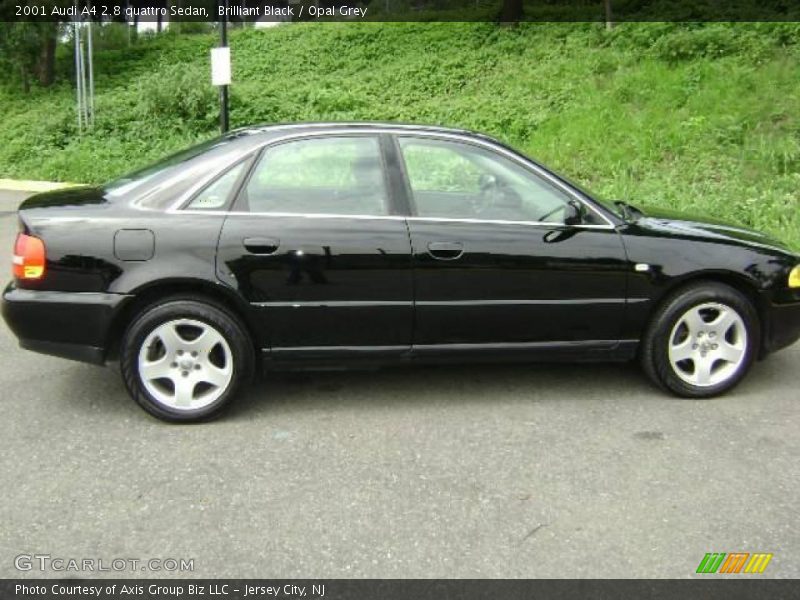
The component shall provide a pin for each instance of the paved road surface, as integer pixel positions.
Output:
(496, 471)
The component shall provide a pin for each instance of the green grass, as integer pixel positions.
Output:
(699, 118)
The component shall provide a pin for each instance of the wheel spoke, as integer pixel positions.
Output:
(702, 370)
(168, 333)
(723, 322)
(694, 321)
(184, 391)
(682, 351)
(730, 352)
(215, 376)
(206, 341)
(157, 369)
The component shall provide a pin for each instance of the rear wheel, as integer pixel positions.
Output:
(185, 360)
(702, 341)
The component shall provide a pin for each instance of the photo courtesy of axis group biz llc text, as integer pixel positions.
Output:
(168, 589)
(391, 299)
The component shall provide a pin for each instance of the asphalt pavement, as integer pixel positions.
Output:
(464, 471)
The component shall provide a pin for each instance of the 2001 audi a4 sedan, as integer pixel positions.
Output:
(346, 244)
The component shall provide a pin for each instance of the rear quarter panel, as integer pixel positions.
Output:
(81, 255)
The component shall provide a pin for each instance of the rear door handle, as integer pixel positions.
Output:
(261, 245)
(446, 250)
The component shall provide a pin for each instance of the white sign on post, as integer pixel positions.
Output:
(221, 66)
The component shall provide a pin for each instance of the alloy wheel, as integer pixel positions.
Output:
(185, 364)
(707, 345)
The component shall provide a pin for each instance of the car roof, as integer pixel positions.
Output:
(278, 128)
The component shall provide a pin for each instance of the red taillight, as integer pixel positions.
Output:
(28, 257)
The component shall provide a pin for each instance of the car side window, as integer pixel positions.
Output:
(463, 181)
(217, 193)
(330, 175)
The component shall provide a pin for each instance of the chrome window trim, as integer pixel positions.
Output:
(396, 130)
(550, 224)
(244, 213)
(239, 213)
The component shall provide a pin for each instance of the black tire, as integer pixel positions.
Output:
(654, 352)
(176, 308)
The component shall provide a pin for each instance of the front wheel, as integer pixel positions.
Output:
(702, 341)
(185, 360)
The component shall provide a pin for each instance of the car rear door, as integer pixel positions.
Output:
(317, 248)
(495, 265)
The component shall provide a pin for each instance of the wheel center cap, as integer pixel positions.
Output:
(186, 363)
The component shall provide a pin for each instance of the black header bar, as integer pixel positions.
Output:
(617, 11)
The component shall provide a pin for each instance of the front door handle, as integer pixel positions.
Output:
(446, 250)
(261, 245)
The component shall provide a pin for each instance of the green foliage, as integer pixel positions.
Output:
(178, 94)
(704, 118)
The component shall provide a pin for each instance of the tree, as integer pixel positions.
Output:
(512, 11)
(46, 66)
(28, 50)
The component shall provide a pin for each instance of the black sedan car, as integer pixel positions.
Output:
(351, 244)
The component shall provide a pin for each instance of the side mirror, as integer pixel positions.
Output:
(573, 213)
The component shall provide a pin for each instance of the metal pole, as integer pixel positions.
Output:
(223, 89)
(84, 91)
(76, 40)
(91, 74)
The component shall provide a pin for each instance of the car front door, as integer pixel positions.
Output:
(495, 264)
(317, 249)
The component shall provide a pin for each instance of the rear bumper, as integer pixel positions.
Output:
(71, 325)
(782, 326)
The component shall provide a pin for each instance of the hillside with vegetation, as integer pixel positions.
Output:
(704, 118)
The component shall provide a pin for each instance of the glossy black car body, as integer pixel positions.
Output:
(316, 287)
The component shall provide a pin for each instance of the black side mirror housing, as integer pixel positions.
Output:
(573, 213)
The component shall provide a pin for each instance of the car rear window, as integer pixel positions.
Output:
(161, 184)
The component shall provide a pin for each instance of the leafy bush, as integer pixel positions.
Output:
(178, 93)
(711, 42)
